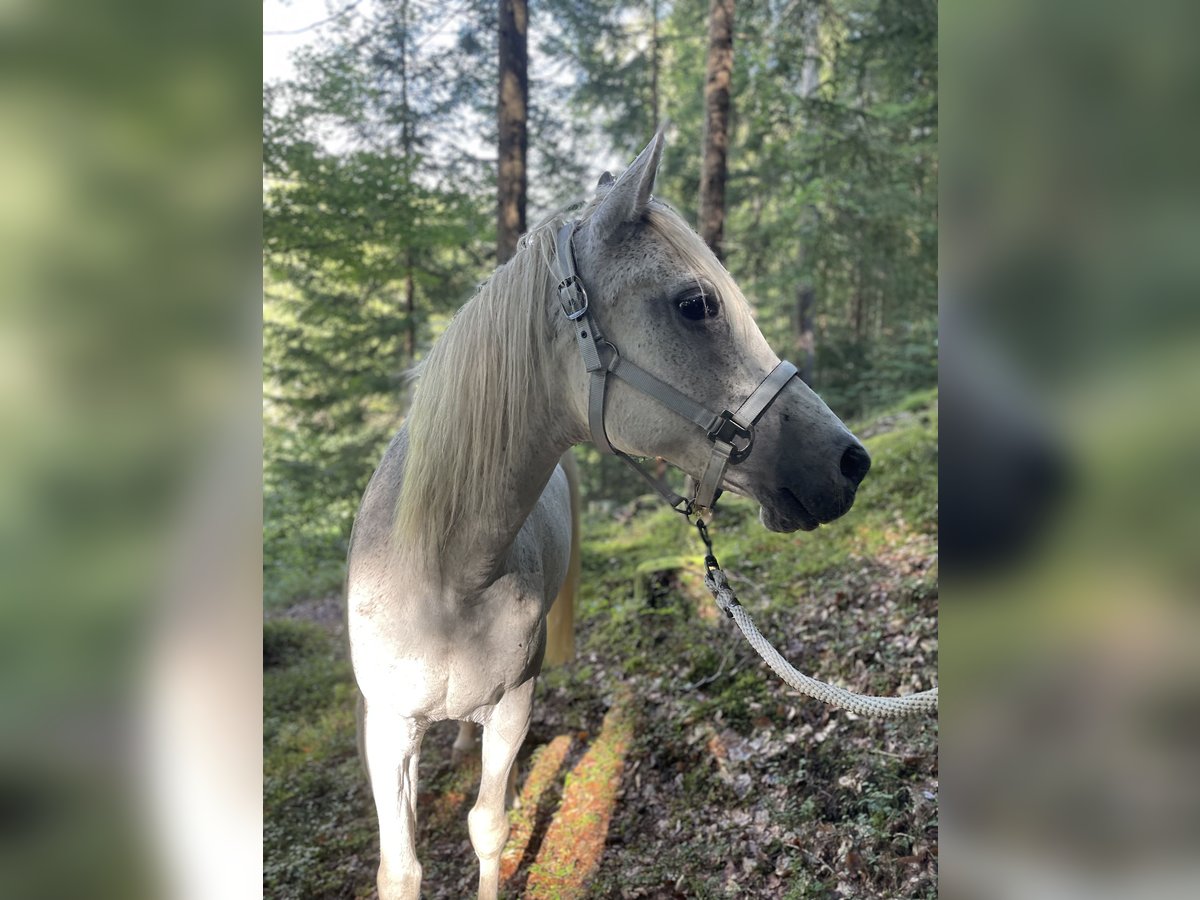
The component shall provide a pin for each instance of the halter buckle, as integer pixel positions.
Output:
(729, 429)
(573, 297)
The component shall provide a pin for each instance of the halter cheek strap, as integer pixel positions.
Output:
(732, 434)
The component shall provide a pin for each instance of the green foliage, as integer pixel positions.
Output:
(379, 208)
(378, 215)
(902, 483)
(301, 671)
(818, 595)
(318, 835)
(861, 375)
(368, 247)
(833, 169)
(286, 642)
(833, 185)
(695, 687)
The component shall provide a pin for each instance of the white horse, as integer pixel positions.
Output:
(464, 538)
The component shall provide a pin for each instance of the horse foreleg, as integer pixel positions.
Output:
(393, 749)
(502, 738)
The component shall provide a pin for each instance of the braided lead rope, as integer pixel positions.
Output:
(871, 707)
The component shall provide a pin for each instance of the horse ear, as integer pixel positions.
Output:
(605, 180)
(627, 199)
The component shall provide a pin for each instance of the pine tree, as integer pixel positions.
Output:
(718, 88)
(512, 103)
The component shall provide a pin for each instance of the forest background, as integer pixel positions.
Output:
(380, 210)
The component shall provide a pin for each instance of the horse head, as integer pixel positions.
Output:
(661, 300)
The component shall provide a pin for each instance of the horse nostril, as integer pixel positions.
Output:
(855, 463)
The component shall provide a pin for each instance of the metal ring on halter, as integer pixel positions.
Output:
(614, 353)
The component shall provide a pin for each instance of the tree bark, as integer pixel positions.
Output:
(810, 78)
(406, 115)
(406, 140)
(805, 337)
(654, 66)
(717, 91)
(511, 112)
(858, 317)
(810, 68)
(410, 312)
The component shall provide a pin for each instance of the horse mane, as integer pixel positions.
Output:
(474, 396)
(477, 389)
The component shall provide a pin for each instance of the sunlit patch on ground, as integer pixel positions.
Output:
(537, 799)
(572, 847)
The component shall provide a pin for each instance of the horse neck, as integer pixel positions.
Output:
(478, 550)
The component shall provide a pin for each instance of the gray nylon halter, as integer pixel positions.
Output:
(731, 433)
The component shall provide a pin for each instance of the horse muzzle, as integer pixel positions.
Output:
(803, 493)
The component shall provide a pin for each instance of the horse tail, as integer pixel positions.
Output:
(560, 623)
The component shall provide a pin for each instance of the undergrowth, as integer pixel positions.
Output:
(726, 783)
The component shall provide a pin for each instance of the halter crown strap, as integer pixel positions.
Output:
(732, 434)
(574, 300)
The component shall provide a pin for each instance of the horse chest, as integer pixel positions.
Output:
(451, 659)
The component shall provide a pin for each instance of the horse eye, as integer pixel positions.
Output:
(698, 306)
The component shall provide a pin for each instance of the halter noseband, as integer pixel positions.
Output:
(731, 433)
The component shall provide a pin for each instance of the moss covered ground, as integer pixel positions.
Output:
(666, 761)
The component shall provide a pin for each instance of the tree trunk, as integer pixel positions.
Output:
(406, 116)
(810, 78)
(717, 89)
(513, 100)
(810, 68)
(406, 141)
(858, 315)
(410, 312)
(654, 66)
(806, 343)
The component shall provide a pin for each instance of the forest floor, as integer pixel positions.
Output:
(666, 761)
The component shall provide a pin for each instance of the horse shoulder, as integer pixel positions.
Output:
(546, 534)
(371, 532)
